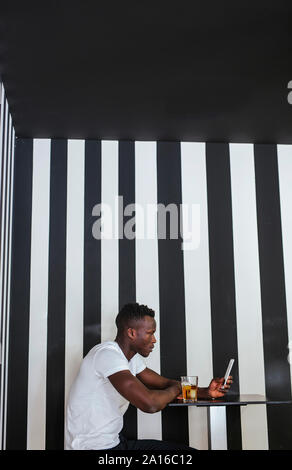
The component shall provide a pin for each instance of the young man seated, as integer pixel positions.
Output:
(114, 374)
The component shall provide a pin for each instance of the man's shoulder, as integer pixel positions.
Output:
(104, 346)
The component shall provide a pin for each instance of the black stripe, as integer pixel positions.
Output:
(222, 286)
(3, 215)
(4, 224)
(3, 197)
(127, 269)
(2, 163)
(20, 292)
(3, 118)
(171, 290)
(127, 259)
(273, 297)
(56, 297)
(9, 191)
(92, 248)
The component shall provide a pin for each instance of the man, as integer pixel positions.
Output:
(113, 374)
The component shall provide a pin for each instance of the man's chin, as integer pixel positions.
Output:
(145, 353)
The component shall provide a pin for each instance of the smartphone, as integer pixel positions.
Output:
(228, 370)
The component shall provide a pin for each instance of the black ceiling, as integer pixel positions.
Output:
(143, 70)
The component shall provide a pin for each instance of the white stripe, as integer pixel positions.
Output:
(9, 283)
(285, 184)
(37, 362)
(147, 279)
(197, 285)
(217, 431)
(248, 294)
(110, 246)
(74, 262)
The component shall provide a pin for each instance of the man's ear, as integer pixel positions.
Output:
(131, 333)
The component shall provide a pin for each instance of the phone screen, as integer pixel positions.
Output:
(228, 370)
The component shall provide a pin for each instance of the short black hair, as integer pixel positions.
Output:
(130, 312)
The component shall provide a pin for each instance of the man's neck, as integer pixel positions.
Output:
(125, 347)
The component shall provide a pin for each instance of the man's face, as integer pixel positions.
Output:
(144, 335)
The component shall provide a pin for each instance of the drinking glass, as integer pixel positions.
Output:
(189, 385)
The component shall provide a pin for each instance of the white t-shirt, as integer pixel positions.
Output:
(95, 408)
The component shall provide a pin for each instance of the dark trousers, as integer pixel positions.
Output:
(148, 444)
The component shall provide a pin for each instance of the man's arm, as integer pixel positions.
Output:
(149, 401)
(153, 380)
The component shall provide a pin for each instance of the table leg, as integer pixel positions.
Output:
(217, 435)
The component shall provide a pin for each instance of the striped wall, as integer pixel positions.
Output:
(231, 296)
(6, 195)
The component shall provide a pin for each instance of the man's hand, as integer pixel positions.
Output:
(215, 389)
(177, 384)
(176, 387)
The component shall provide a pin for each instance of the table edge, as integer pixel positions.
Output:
(230, 403)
